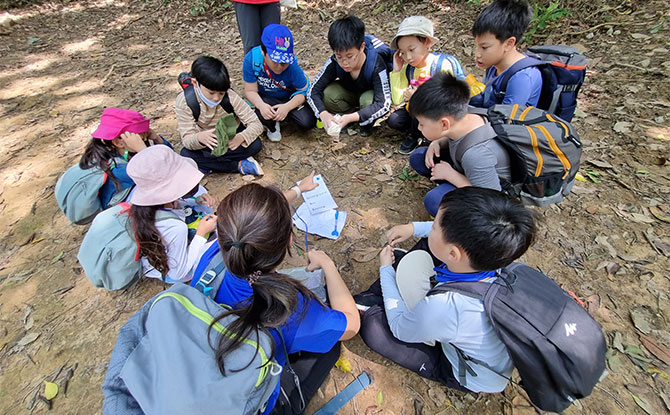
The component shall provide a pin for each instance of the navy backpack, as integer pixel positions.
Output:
(563, 71)
(374, 47)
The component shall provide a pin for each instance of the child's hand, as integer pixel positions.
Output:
(281, 111)
(267, 111)
(398, 61)
(133, 142)
(207, 199)
(208, 138)
(386, 256)
(347, 119)
(409, 91)
(153, 136)
(317, 260)
(399, 233)
(307, 183)
(235, 142)
(443, 171)
(326, 119)
(432, 152)
(207, 225)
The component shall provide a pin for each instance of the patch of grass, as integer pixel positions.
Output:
(544, 17)
(198, 7)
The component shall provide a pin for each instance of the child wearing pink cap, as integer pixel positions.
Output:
(120, 135)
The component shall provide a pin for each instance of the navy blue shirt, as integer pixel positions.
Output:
(281, 86)
(316, 330)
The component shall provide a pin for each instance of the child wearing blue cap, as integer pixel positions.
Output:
(274, 82)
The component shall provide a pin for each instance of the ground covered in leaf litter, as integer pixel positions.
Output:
(608, 243)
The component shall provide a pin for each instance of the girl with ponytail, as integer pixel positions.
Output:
(255, 232)
(163, 179)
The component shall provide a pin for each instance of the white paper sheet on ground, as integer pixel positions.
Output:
(319, 200)
(322, 224)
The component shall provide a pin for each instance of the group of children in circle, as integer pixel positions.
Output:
(476, 231)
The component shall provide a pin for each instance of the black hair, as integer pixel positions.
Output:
(491, 227)
(254, 229)
(100, 153)
(442, 95)
(211, 73)
(505, 19)
(346, 33)
(149, 237)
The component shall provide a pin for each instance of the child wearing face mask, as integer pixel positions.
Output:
(211, 84)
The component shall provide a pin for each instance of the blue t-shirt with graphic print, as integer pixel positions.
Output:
(293, 79)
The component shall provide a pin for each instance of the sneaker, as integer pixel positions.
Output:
(366, 130)
(408, 145)
(275, 135)
(250, 166)
(370, 297)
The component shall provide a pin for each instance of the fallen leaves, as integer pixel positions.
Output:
(28, 338)
(365, 254)
(660, 351)
(50, 390)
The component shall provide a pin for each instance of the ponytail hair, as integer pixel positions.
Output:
(149, 238)
(100, 153)
(254, 229)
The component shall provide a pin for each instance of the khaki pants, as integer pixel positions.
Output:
(339, 100)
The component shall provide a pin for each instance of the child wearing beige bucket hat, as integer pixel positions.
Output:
(162, 180)
(413, 64)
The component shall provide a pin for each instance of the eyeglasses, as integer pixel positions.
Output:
(345, 59)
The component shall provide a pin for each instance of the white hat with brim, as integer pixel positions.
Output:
(413, 277)
(415, 26)
(161, 176)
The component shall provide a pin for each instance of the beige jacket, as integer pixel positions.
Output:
(189, 128)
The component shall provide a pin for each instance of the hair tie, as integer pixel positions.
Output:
(253, 277)
(238, 244)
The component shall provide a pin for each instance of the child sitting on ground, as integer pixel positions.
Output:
(441, 107)
(274, 82)
(212, 87)
(498, 31)
(356, 76)
(162, 180)
(255, 233)
(413, 64)
(475, 233)
(120, 135)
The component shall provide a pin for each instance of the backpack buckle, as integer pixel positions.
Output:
(204, 281)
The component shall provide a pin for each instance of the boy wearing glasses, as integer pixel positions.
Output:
(356, 76)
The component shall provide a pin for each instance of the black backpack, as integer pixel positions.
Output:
(557, 347)
(563, 70)
(374, 47)
(185, 79)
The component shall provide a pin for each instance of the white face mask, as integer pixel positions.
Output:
(208, 102)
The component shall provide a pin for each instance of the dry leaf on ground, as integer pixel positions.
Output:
(365, 254)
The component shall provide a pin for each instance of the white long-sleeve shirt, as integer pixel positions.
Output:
(451, 319)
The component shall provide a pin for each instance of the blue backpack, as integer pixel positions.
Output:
(456, 67)
(374, 47)
(563, 71)
(77, 192)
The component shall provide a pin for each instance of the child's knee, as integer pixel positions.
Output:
(366, 98)
(335, 98)
(417, 160)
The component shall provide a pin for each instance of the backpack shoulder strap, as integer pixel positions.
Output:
(257, 60)
(211, 281)
(371, 58)
(192, 101)
(436, 66)
(226, 105)
(470, 289)
(483, 134)
(519, 65)
(409, 72)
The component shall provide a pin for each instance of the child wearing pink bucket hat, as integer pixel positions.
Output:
(162, 180)
(121, 134)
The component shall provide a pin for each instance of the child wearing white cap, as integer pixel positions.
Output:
(413, 64)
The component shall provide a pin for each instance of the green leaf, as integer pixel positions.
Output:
(380, 397)
(57, 257)
(642, 404)
(50, 390)
(226, 128)
(642, 172)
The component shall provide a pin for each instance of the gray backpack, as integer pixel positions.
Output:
(109, 253)
(77, 193)
(544, 151)
(163, 362)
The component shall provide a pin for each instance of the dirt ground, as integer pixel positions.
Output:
(609, 242)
